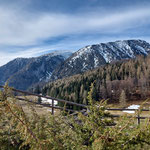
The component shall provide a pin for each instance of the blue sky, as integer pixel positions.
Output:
(30, 28)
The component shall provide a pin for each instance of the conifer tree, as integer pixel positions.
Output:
(39, 100)
(122, 99)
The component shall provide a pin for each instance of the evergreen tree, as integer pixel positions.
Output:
(122, 99)
(39, 100)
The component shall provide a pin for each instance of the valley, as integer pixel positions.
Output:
(74, 75)
(95, 87)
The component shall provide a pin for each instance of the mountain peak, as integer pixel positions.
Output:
(93, 56)
(29, 71)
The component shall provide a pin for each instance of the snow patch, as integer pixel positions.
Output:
(132, 107)
(96, 62)
(82, 51)
(84, 66)
(48, 101)
(141, 49)
(49, 74)
(50, 110)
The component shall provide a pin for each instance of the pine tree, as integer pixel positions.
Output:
(39, 100)
(122, 99)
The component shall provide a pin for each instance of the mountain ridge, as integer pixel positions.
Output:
(23, 73)
(30, 71)
(93, 56)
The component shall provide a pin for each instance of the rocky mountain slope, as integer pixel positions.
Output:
(93, 56)
(21, 73)
(12, 67)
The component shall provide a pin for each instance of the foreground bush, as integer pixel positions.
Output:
(93, 131)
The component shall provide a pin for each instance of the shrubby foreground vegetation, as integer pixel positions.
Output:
(65, 132)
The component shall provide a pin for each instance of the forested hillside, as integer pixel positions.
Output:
(130, 76)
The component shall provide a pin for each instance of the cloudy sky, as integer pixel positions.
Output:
(33, 27)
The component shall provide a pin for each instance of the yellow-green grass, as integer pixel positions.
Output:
(40, 110)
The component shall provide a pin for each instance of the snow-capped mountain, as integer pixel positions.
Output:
(93, 56)
(21, 73)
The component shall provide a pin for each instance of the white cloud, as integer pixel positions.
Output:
(69, 44)
(6, 56)
(20, 28)
(32, 52)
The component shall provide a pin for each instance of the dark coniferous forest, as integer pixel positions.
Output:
(131, 76)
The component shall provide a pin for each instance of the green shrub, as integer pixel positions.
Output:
(93, 131)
